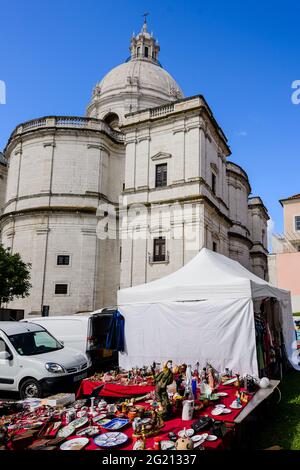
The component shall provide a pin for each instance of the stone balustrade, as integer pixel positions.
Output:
(71, 122)
(162, 110)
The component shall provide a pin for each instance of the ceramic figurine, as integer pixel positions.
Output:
(162, 380)
(184, 443)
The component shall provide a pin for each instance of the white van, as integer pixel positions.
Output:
(34, 363)
(85, 333)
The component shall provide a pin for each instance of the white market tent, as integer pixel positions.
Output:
(202, 312)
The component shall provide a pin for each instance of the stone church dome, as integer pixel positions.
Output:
(137, 84)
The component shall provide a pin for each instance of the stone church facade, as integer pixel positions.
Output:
(142, 147)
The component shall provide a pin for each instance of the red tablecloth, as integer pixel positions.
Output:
(118, 391)
(229, 418)
(173, 425)
(112, 390)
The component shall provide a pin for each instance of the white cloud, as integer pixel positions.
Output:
(241, 133)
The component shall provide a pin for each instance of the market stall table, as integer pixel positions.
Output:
(122, 391)
(261, 395)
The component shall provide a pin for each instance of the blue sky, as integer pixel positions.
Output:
(242, 56)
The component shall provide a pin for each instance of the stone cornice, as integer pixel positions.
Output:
(47, 210)
(87, 194)
(186, 200)
(241, 237)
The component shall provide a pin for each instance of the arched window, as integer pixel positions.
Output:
(112, 119)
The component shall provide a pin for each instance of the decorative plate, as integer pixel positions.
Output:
(89, 431)
(75, 444)
(226, 411)
(199, 437)
(211, 437)
(116, 423)
(103, 421)
(222, 394)
(111, 439)
(167, 445)
(230, 381)
(66, 431)
(186, 432)
(77, 423)
(217, 411)
(99, 417)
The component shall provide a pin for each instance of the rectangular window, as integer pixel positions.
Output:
(213, 183)
(159, 249)
(61, 289)
(297, 223)
(215, 246)
(146, 51)
(63, 260)
(161, 175)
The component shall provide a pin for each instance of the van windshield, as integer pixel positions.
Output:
(34, 342)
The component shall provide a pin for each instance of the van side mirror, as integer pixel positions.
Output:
(6, 355)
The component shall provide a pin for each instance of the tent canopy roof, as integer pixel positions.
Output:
(208, 275)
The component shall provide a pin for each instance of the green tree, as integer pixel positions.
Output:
(14, 276)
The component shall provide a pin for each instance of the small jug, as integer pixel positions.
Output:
(187, 410)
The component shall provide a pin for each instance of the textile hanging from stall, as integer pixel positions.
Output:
(268, 338)
(115, 335)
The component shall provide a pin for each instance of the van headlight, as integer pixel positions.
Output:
(54, 368)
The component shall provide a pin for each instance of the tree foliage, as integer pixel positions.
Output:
(14, 276)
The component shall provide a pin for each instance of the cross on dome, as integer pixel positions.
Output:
(144, 29)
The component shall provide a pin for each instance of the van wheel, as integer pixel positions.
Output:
(30, 388)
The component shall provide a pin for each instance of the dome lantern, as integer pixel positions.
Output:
(144, 46)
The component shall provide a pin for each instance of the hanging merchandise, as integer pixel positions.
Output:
(115, 335)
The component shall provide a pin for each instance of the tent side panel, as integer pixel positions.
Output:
(221, 332)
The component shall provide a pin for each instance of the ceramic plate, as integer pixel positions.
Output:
(222, 394)
(199, 437)
(186, 432)
(111, 439)
(230, 381)
(226, 411)
(77, 423)
(235, 406)
(116, 423)
(217, 411)
(220, 406)
(75, 444)
(198, 444)
(99, 417)
(89, 431)
(167, 445)
(211, 437)
(103, 421)
(66, 431)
